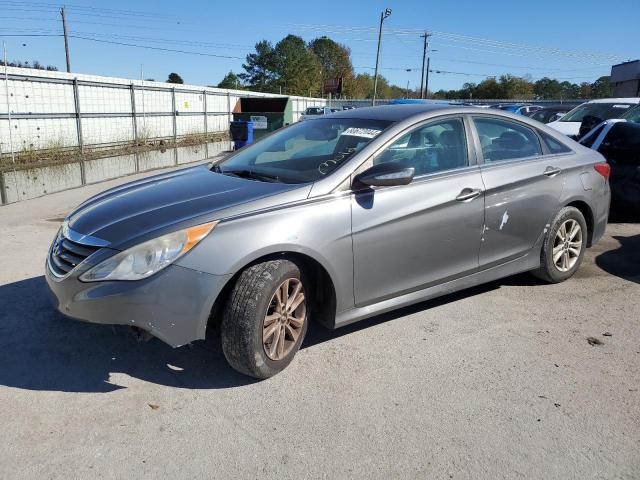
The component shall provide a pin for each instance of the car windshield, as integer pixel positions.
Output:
(304, 152)
(314, 111)
(603, 111)
(632, 115)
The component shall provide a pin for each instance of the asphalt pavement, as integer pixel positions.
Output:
(513, 379)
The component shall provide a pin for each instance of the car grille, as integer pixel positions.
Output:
(65, 255)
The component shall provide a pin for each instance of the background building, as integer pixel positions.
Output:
(625, 79)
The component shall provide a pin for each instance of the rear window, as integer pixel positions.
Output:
(554, 145)
(505, 139)
(314, 111)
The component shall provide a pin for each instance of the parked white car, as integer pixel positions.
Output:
(315, 111)
(604, 109)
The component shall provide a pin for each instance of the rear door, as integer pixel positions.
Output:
(409, 237)
(522, 188)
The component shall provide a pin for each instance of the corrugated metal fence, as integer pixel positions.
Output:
(55, 109)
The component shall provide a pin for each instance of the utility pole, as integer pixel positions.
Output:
(426, 36)
(426, 81)
(383, 15)
(66, 39)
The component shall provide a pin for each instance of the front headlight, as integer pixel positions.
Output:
(149, 257)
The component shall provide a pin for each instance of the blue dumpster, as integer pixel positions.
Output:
(241, 133)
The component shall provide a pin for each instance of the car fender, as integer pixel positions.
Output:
(317, 228)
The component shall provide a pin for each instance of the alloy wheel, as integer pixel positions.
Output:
(284, 319)
(567, 245)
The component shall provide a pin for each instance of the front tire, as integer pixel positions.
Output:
(265, 318)
(564, 246)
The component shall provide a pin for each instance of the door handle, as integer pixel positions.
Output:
(551, 171)
(468, 194)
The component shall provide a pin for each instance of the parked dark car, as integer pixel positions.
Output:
(550, 114)
(619, 142)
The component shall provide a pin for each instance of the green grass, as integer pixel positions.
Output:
(56, 153)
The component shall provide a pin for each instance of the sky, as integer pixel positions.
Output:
(470, 40)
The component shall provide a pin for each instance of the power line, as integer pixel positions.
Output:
(53, 7)
(203, 54)
(467, 39)
(230, 46)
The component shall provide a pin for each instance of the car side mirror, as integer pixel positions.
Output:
(386, 175)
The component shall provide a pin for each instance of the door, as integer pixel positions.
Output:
(522, 188)
(412, 236)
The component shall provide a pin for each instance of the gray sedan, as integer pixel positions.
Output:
(334, 219)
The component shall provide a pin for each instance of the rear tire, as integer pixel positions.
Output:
(265, 318)
(564, 246)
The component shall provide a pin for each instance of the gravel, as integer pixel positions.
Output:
(499, 381)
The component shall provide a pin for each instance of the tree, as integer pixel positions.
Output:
(334, 60)
(174, 78)
(601, 88)
(361, 86)
(230, 80)
(515, 87)
(297, 69)
(35, 65)
(259, 67)
(585, 90)
(547, 88)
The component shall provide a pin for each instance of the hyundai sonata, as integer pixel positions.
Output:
(334, 219)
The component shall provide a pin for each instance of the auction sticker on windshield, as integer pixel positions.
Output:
(361, 132)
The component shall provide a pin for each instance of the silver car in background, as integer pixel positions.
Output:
(334, 219)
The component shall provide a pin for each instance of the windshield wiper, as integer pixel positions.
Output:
(265, 177)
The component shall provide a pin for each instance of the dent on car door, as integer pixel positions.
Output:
(523, 188)
(411, 236)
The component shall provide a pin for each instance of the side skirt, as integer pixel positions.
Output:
(530, 261)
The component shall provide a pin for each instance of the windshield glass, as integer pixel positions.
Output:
(304, 152)
(632, 115)
(603, 111)
(314, 111)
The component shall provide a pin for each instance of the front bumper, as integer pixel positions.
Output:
(173, 305)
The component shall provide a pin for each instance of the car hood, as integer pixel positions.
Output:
(568, 128)
(193, 195)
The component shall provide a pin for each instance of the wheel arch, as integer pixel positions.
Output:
(323, 297)
(587, 213)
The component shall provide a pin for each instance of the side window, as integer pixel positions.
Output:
(506, 140)
(434, 147)
(554, 145)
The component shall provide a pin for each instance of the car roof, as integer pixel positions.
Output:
(616, 100)
(394, 113)
(559, 107)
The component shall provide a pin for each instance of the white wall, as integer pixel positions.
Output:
(44, 112)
